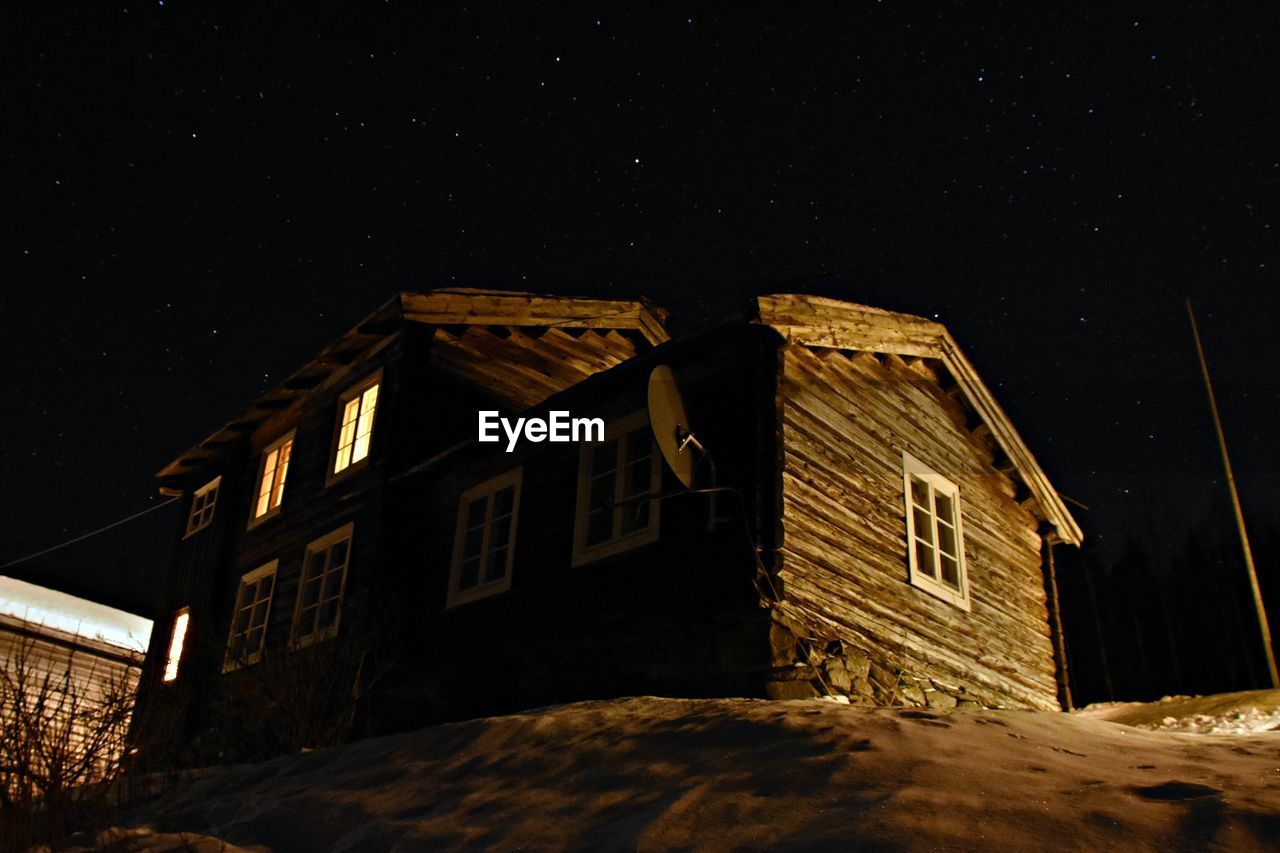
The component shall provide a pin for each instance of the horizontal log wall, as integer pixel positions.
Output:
(845, 421)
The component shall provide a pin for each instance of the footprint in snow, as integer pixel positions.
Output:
(1173, 791)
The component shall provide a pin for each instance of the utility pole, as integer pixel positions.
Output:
(1235, 505)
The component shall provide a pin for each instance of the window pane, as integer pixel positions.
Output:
(469, 576)
(639, 477)
(475, 512)
(282, 470)
(363, 435)
(307, 620)
(946, 538)
(496, 565)
(635, 516)
(599, 526)
(264, 486)
(346, 435)
(499, 532)
(923, 525)
(176, 640)
(472, 543)
(338, 553)
(945, 507)
(604, 458)
(950, 570)
(258, 616)
(503, 502)
(602, 488)
(311, 592)
(328, 615)
(364, 428)
(920, 492)
(924, 560)
(332, 586)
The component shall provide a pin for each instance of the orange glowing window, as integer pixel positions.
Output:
(356, 411)
(271, 477)
(176, 640)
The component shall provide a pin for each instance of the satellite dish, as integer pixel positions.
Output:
(670, 424)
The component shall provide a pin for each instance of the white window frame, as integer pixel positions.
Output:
(268, 569)
(324, 543)
(919, 577)
(178, 631)
(618, 542)
(256, 496)
(511, 479)
(354, 392)
(203, 507)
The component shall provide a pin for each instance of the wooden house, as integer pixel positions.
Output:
(881, 532)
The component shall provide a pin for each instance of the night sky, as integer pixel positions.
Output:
(200, 198)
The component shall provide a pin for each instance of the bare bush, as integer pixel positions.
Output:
(293, 699)
(63, 719)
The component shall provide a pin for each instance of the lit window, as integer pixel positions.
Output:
(356, 409)
(484, 542)
(249, 619)
(324, 576)
(177, 637)
(614, 476)
(935, 544)
(202, 503)
(271, 476)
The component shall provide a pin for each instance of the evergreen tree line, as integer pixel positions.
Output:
(1142, 626)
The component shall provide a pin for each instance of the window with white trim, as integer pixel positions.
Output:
(202, 504)
(272, 470)
(354, 433)
(248, 635)
(935, 535)
(485, 539)
(614, 477)
(177, 639)
(324, 578)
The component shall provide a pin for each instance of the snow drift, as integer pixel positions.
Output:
(660, 773)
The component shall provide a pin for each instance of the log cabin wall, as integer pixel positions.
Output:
(845, 419)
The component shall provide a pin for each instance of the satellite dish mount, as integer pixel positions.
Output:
(680, 448)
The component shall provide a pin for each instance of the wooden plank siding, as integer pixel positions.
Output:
(845, 421)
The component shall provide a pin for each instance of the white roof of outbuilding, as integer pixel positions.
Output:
(59, 611)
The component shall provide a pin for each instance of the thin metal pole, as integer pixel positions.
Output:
(1235, 505)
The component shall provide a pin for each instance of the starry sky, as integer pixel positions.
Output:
(202, 196)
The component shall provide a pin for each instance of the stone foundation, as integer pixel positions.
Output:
(808, 669)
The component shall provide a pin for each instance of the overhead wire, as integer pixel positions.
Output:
(84, 536)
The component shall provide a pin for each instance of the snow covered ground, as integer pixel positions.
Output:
(663, 773)
(1247, 712)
